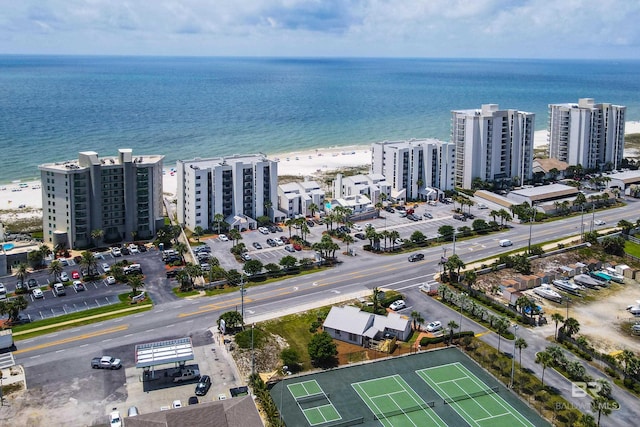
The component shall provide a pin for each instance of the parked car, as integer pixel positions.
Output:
(278, 241)
(176, 404)
(21, 319)
(78, 286)
(278, 229)
(272, 229)
(297, 246)
(434, 326)
(115, 420)
(75, 274)
(106, 362)
(482, 206)
(285, 240)
(271, 242)
(32, 283)
(398, 305)
(257, 245)
(133, 249)
(64, 277)
(125, 251)
(58, 289)
(310, 223)
(116, 252)
(223, 238)
(289, 248)
(263, 230)
(37, 293)
(106, 267)
(111, 280)
(427, 215)
(203, 385)
(357, 227)
(141, 248)
(193, 400)
(459, 217)
(389, 209)
(173, 273)
(245, 257)
(19, 285)
(360, 236)
(398, 241)
(416, 257)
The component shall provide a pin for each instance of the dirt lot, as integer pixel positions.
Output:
(601, 314)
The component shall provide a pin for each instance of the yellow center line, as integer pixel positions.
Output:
(75, 338)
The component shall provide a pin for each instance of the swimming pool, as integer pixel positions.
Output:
(8, 246)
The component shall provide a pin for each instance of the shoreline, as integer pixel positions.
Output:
(23, 199)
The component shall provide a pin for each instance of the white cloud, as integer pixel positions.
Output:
(522, 28)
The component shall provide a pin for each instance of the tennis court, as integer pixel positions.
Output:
(314, 403)
(395, 404)
(471, 398)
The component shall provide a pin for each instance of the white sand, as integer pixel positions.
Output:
(302, 164)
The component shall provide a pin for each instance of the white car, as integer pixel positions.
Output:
(357, 227)
(37, 293)
(434, 326)
(106, 267)
(398, 241)
(176, 404)
(599, 222)
(398, 305)
(367, 225)
(134, 249)
(64, 277)
(263, 230)
(116, 252)
(278, 241)
(115, 420)
(223, 238)
(111, 280)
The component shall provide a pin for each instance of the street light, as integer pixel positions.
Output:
(462, 298)
(513, 356)
(531, 220)
(253, 354)
(242, 298)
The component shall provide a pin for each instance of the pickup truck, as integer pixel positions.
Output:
(186, 375)
(105, 362)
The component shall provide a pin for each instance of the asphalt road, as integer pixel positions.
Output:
(71, 350)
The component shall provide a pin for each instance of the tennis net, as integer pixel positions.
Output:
(312, 397)
(491, 390)
(400, 411)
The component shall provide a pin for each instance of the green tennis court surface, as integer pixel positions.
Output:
(314, 403)
(472, 399)
(395, 404)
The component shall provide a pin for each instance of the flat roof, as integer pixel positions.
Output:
(545, 192)
(628, 177)
(163, 352)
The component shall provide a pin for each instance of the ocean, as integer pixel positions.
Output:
(52, 107)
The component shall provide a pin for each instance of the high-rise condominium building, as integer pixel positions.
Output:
(587, 133)
(492, 145)
(240, 188)
(95, 199)
(415, 169)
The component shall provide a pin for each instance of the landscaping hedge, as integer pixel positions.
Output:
(425, 341)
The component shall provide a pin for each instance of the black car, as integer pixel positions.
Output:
(32, 284)
(416, 257)
(389, 209)
(20, 285)
(193, 400)
(173, 273)
(125, 251)
(310, 223)
(360, 236)
(272, 229)
(278, 229)
(142, 248)
(203, 385)
(257, 245)
(271, 242)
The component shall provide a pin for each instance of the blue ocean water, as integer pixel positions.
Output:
(52, 107)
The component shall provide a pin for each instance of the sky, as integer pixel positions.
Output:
(590, 29)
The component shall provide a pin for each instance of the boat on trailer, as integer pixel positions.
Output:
(545, 291)
(567, 286)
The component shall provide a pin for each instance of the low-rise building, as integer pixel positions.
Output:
(297, 198)
(374, 186)
(350, 324)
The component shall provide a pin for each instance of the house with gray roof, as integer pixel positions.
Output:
(350, 324)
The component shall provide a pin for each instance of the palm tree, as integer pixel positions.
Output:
(470, 277)
(181, 249)
(545, 359)
(135, 282)
(235, 236)
(628, 359)
(520, 344)
(89, 262)
(558, 318)
(452, 326)
(375, 299)
(197, 232)
(416, 318)
(55, 269)
(22, 272)
(313, 208)
(393, 236)
(570, 327)
(97, 235)
(218, 219)
(348, 238)
(501, 326)
(601, 405)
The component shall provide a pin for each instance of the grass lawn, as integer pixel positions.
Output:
(632, 248)
(295, 329)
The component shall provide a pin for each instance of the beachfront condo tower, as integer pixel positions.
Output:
(492, 145)
(416, 169)
(240, 188)
(96, 200)
(587, 134)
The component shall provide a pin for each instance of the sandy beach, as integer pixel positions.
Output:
(23, 199)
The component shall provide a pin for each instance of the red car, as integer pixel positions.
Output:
(297, 247)
(284, 239)
(75, 274)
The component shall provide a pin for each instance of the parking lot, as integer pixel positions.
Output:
(441, 214)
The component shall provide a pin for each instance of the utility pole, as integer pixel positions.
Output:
(531, 220)
(253, 354)
(242, 299)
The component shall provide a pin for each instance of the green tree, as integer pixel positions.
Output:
(218, 219)
(21, 272)
(626, 226)
(322, 350)
(446, 231)
(232, 319)
(253, 267)
(135, 282)
(291, 359)
(571, 327)
(416, 318)
(452, 327)
(613, 245)
(97, 235)
(234, 277)
(198, 232)
(313, 208)
(520, 344)
(272, 268)
(88, 262)
(235, 236)
(288, 262)
(480, 226)
(601, 406)
(502, 326)
(13, 307)
(348, 238)
(417, 237)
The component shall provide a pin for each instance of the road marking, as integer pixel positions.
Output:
(73, 339)
(481, 334)
(60, 351)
